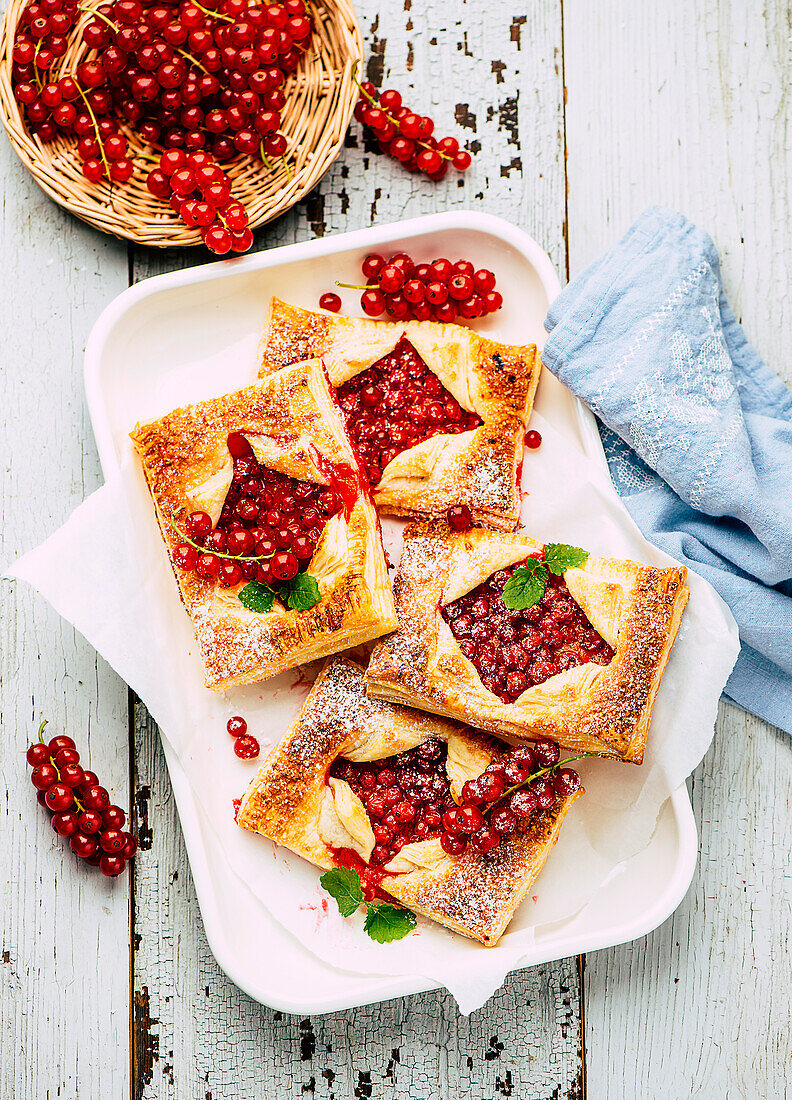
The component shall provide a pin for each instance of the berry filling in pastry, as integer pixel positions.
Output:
(405, 796)
(394, 405)
(515, 650)
(265, 514)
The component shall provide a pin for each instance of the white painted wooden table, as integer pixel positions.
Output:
(581, 115)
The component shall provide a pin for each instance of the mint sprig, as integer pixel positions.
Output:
(526, 586)
(559, 557)
(303, 592)
(384, 922)
(343, 884)
(257, 597)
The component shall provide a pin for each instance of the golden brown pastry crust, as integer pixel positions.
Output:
(479, 468)
(291, 416)
(472, 894)
(591, 708)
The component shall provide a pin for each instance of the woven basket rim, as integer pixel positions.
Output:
(321, 97)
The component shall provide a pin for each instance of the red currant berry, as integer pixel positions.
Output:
(64, 823)
(566, 782)
(470, 819)
(330, 302)
(72, 775)
(198, 525)
(66, 756)
(373, 302)
(62, 741)
(82, 845)
(533, 440)
(96, 798)
(524, 803)
(546, 752)
(113, 818)
(247, 747)
(462, 160)
(185, 556)
(43, 777)
(59, 797)
(38, 754)
(391, 278)
(484, 840)
(460, 287)
(112, 840)
(503, 820)
(372, 265)
(90, 779)
(459, 517)
(130, 846)
(492, 301)
(112, 865)
(90, 821)
(442, 270)
(237, 726)
(453, 844)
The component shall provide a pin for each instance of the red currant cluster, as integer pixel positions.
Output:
(200, 192)
(405, 795)
(187, 75)
(406, 136)
(245, 745)
(437, 291)
(268, 529)
(80, 807)
(523, 782)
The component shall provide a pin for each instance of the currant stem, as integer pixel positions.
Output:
(99, 15)
(355, 286)
(192, 59)
(213, 14)
(537, 775)
(203, 549)
(375, 103)
(96, 131)
(41, 730)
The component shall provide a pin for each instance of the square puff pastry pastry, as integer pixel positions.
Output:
(293, 802)
(479, 468)
(294, 426)
(590, 708)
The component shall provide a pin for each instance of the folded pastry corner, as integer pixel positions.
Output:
(581, 665)
(272, 535)
(436, 412)
(323, 792)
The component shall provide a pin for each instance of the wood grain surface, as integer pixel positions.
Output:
(581, 115)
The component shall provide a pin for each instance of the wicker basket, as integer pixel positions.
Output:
(320, 98)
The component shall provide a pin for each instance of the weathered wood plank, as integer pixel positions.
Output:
(689, 109)
(207, 1038)
(64, 956)
(199, 1036)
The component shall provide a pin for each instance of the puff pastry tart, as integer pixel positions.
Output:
(581, 665)
(436, 412)
(345, 745)
(273, 536)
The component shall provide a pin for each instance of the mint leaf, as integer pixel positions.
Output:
(386, 923)
(256, 596)
(560, 557)
(526, 586)
(303, 592)
(343, 884)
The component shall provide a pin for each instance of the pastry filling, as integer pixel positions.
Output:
(404, 795)
(515, 650)
(267, 514)
(394, 405)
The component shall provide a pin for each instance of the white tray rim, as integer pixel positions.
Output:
(380, 988)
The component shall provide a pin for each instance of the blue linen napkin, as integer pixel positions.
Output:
(697, 431)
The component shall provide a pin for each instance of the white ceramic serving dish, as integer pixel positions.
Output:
(160, 326)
